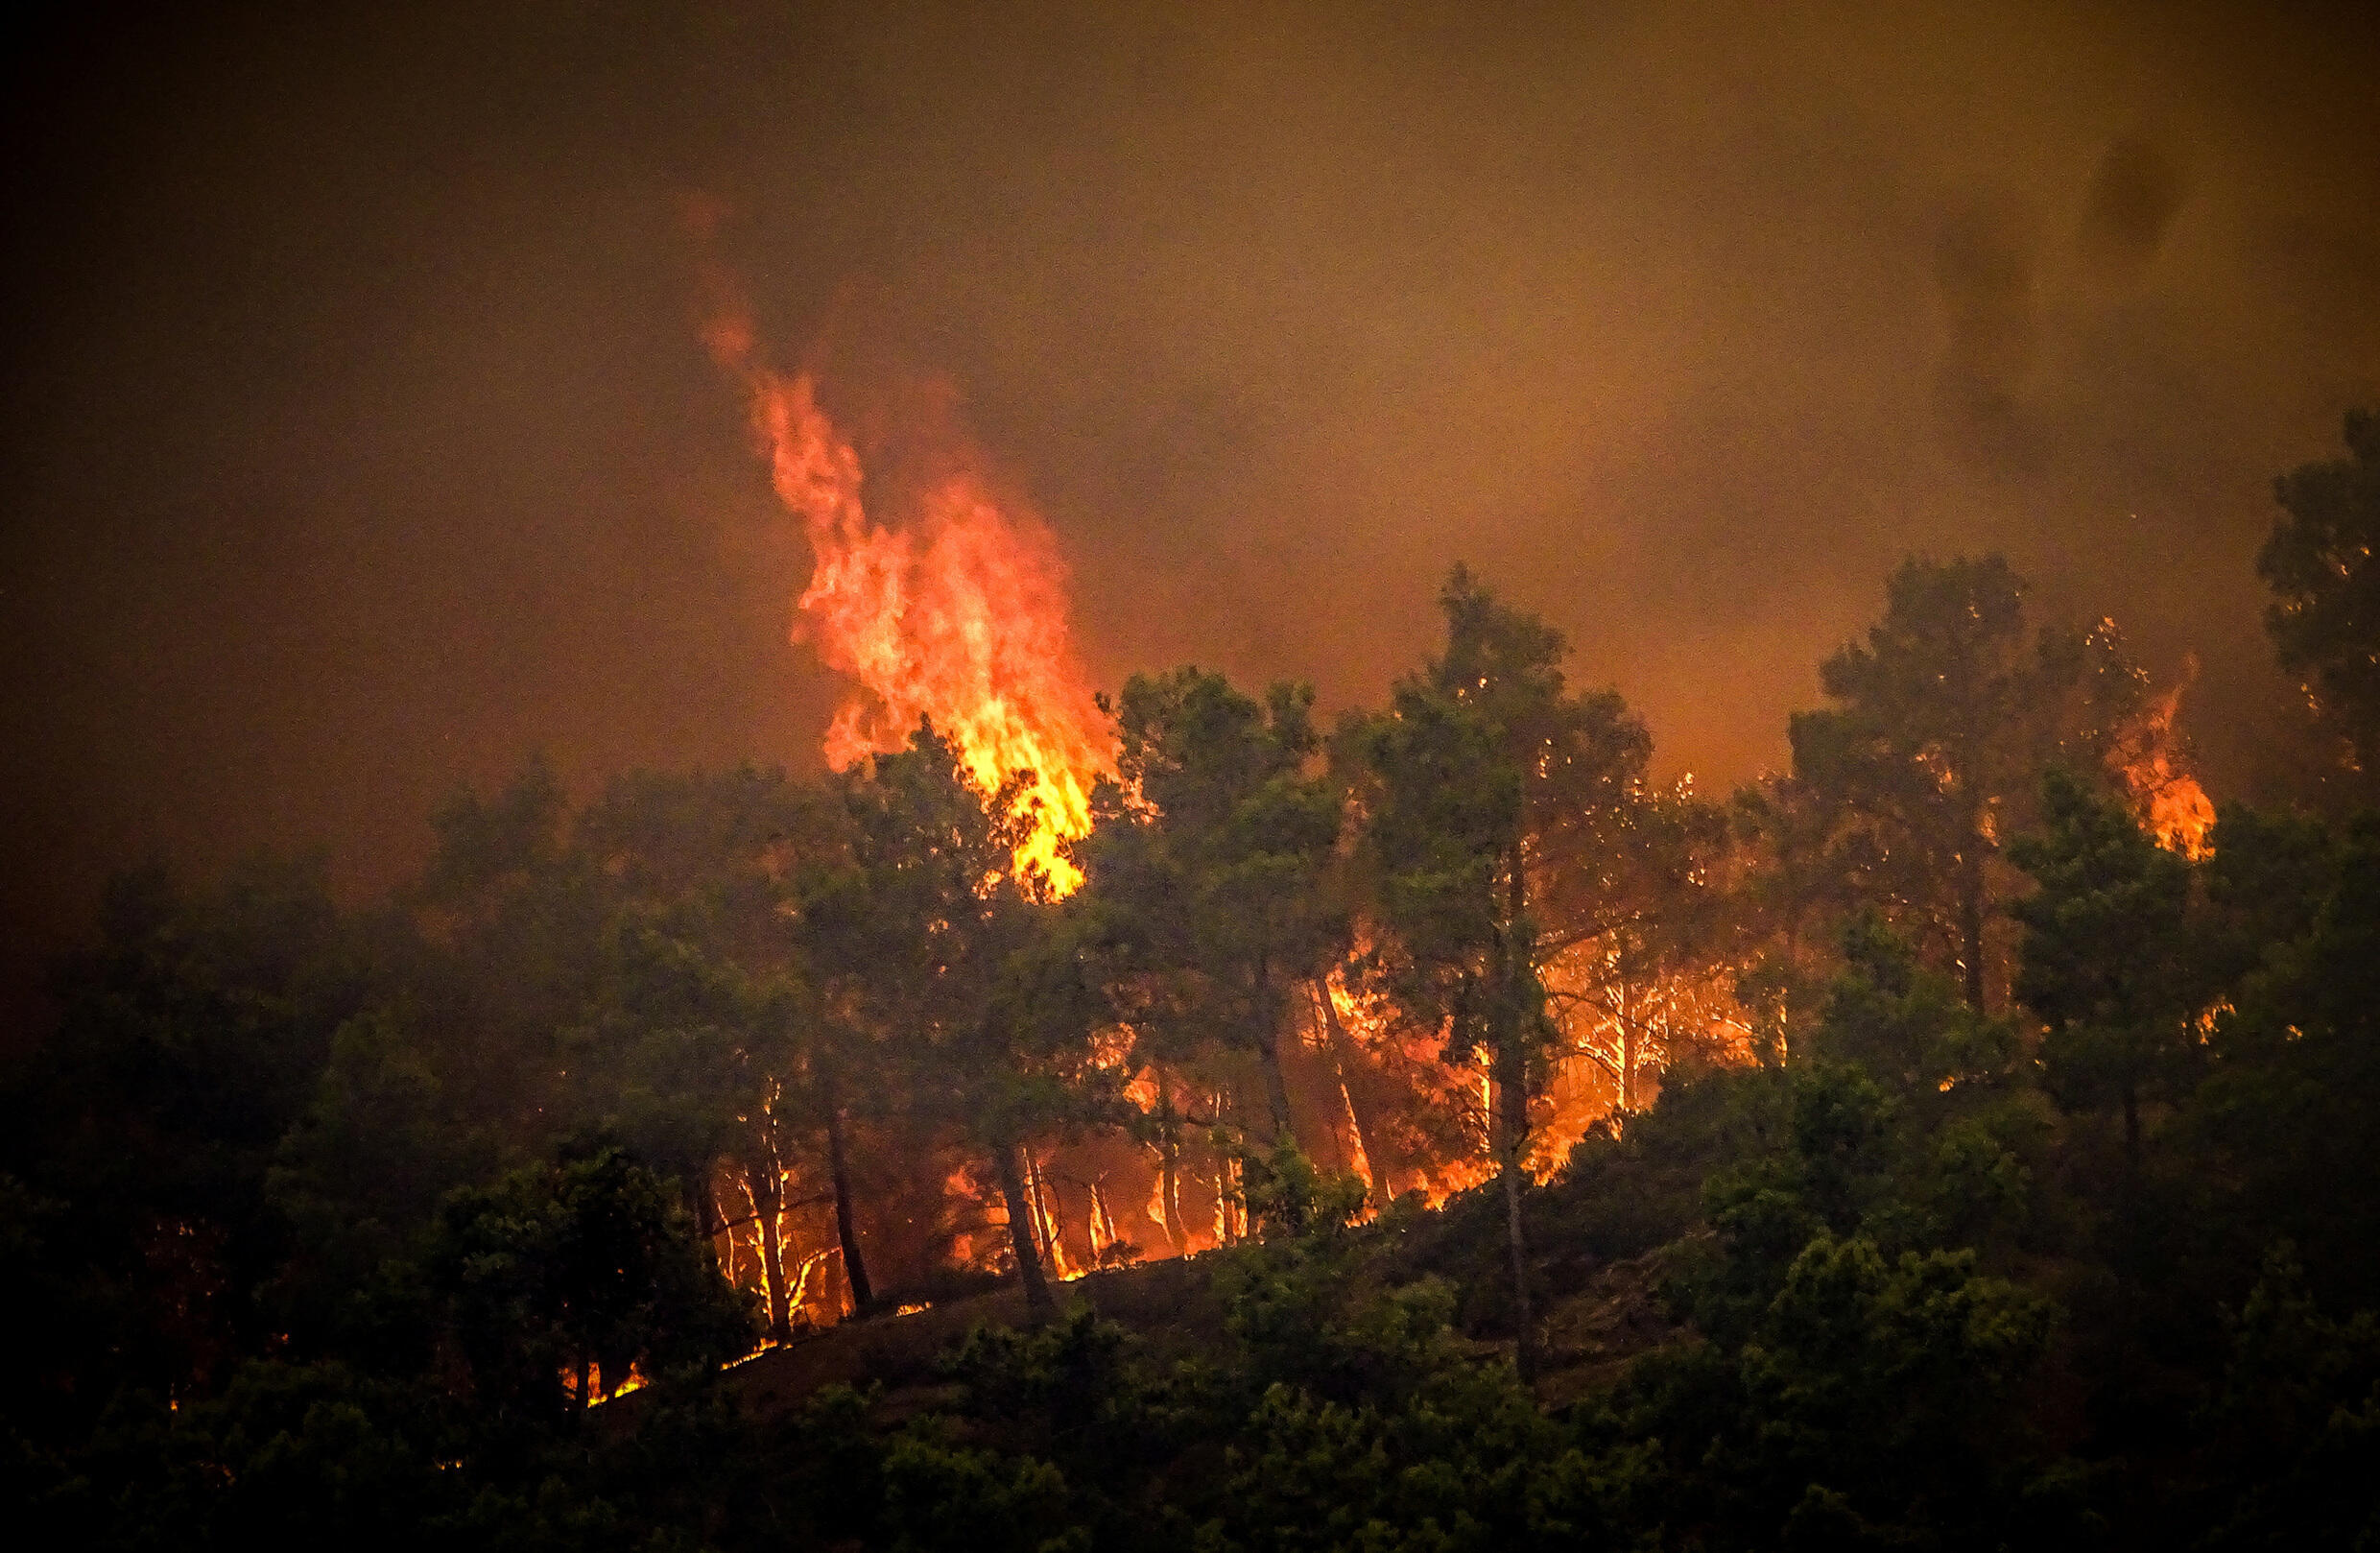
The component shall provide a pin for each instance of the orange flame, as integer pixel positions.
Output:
(2169, 801)
(956, 613)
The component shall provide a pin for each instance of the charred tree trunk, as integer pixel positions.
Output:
(1039, 1306)
(847, 1222)
(1277, 1092)
(706, 1216)
(767, 1194)
(1175, 1233)
(1269, 1013)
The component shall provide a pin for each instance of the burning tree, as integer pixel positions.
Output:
(1642, 965)
(1209, 868)
(1945, 719)
(705, 1037)
(964, 966)
(1484, 770)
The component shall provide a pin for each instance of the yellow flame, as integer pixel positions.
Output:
(957, 612)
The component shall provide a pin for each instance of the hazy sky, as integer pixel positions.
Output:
(359, 439)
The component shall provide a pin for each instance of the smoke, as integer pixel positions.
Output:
(2134, 196)
(360, 442)
(1984, 265)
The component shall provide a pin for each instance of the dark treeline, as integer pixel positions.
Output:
(1960, 1141)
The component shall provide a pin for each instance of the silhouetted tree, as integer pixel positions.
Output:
(2296, 1065)
(563, 1278)
(707, 1040)
(2111, 961)
(1946, 717)
(2325, 614)
(1484, 761)
(1208, 867)
(190, 1040)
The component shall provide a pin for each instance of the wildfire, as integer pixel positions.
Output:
(948, 601)
(956, 611)
(2169, 801)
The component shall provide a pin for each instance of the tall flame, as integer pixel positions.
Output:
(2171, 804)
(956, 612)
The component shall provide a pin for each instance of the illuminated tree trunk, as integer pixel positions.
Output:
(1102, 1223)
(846, 1224)
(1175, 1235)
(1039, 1306)
(1227, 1177)
(1628, 1040)
(1230, 1213)
(767, 1194)
(1344, 1057)
(1169, 1166)
(1046, 1218)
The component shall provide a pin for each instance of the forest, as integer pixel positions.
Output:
(1415, 1130)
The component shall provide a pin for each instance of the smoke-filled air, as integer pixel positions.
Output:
(1217, 782)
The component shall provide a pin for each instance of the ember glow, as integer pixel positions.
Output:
(955, 611)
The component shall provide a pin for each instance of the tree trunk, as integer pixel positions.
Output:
(1628, 1047)
(1102, 1221)
(1344, 1055)
(1971, 920)
(847, 1222)
(1227, 1176)
(1177, 1234)
(707, 1216)
(762, 1181)
(1046, 1216)
(1169, 1166)
(1512, 1076)
(1039, 1306)
(1277, 1092)
(1228, 1223)
(1269, 1011)
(1513, 1129)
